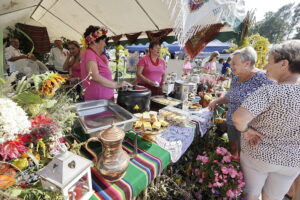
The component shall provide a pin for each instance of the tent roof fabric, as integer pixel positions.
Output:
(70, 18)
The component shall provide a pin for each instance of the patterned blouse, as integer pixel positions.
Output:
(276, 109)
(241, 90)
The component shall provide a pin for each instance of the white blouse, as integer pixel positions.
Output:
(277, 116)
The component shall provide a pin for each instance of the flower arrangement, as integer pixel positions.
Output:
(218, 174)
(13, 120)
(35, 115)
(51, 84)
(208, 80)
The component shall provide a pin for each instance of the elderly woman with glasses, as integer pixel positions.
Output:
(269, 122)
(246, 79)
(95, 64)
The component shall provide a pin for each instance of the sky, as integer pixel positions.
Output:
(263, 6)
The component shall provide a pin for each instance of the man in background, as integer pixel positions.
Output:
(26, 64)
(58, 55)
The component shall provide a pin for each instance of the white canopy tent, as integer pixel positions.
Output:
(70, 18)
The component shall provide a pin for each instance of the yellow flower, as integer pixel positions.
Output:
(37, 156)
(119, 47)
(51, 84)
(21, 163)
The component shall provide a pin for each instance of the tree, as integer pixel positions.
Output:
(278, 26)
(295, 20)
(297, 36)
(261, 46)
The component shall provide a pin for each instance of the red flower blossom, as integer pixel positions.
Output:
(12, 149)
(24, 138)
(41, 120)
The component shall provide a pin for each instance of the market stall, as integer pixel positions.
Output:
(153, 133)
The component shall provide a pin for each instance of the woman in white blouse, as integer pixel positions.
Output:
(269, 121)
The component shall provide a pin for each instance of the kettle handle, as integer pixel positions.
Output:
(93, 139)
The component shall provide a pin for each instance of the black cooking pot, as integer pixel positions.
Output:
(135, 99)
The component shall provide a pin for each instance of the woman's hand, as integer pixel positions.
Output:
(252, 137)
(212, 105)
(123, 84)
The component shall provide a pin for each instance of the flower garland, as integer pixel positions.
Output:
(93, 36)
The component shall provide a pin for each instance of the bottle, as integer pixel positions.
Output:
(185, 103)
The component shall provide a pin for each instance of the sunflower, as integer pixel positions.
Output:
(51, 84)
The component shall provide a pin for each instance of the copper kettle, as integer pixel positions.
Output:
(113, 160)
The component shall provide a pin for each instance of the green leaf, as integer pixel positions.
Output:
(29, 97)
(49, 103)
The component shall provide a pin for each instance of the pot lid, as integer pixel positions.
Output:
(134, 88)
(112, 134)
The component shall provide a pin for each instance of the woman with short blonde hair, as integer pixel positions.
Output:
(246, 79)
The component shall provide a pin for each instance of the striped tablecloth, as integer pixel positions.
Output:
(145, 167)
(148, 164)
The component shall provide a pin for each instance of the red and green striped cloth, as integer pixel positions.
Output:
(148, 164)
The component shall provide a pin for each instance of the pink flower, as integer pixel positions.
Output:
(230, 194)
(225, 170)
(215, 161)
(216, 179)
(232, 172)
(241, 184)
(221, 151)
(210, 185)
(227, 159)
(240, 175)
(204, 159)
(200, 180)
(203, 175)
(197, 171)
(218, 184)
(12, 149)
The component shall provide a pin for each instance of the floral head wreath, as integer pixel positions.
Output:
(93, 36)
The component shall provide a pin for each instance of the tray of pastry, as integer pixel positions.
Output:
(195, 106)
(167, 101)
(149, 123)
(175, 116)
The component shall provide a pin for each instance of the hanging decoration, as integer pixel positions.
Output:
(158, 35)
(38, 36)
(196, 4)
(116, 38)
(192, 16)
(199, 41)
(132, 38)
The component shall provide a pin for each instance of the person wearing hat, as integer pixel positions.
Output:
(58, 56)
(94, 65)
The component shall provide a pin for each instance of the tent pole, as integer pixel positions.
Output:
(1, 53)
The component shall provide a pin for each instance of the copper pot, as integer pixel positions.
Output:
(113, 161)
